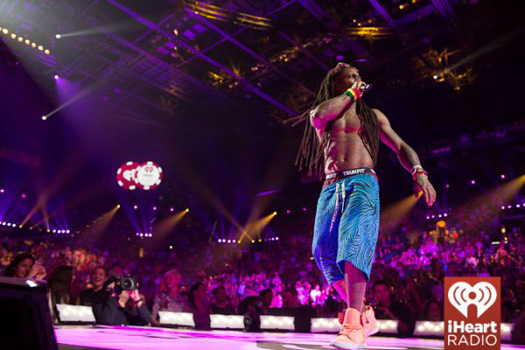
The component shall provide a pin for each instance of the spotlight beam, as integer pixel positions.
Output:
(394, 214)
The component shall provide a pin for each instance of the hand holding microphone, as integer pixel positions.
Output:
(361, 85)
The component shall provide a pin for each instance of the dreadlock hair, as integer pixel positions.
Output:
(311, 152)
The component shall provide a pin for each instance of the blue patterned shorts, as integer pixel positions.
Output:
(347, 224)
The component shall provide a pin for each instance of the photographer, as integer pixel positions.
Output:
(121, 305)
(389, 309)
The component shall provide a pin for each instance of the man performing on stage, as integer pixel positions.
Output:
(342, 139)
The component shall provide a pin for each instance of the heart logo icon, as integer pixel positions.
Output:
(462, 294)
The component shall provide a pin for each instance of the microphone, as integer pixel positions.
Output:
(365, 87)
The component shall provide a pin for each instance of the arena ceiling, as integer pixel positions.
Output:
(179, 58)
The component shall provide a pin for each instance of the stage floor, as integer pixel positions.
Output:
(77, 338)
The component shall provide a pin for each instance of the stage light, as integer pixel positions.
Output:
(135, 207)
(229, 241)
(339, 57)
(118, 205)
(502, 176)
(274, 213)
(20, 39)
(48, 230)
(187, 210)
(67, 231)
(253, 241)
(47, 52)
(154, 208)
(13, 36)
(58, 36)
(20, 226)
(509, 206)
(473, 182)
(428, 217)
(33, 45)
(435, 76)
(172, 210)
(40, 48)
(238, 242)
(171, 247)
(44, 117)
(56, 77)
(401, 6)
(28, 42)
(5, 31)
(23, 195)
(518, 206)
(2, 190)
(445, 215)
(502, 207)
(304, 208)
(288, 212)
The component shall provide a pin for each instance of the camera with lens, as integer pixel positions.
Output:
(122, 283)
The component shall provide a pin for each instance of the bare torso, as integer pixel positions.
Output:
(345, 149)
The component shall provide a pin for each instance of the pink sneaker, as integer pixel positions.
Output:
(368, 321)
(352, 334)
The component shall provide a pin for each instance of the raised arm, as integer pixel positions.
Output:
(407, 157)
(335, 107)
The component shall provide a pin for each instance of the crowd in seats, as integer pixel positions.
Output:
(276, 278)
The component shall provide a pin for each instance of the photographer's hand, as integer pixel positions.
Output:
(123, 298)
(135, 296)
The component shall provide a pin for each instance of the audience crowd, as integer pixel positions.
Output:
(270, 278)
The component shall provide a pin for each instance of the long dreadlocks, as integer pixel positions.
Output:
(311, 152)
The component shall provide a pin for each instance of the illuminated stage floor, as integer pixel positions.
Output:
(76, 338)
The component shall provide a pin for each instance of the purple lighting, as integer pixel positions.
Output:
(288, 211)
(135, 207)
(56, 77)
(502, 176)
(339, 57)
(2, 190)
(23, 195)
(172, 210)
(473, 182)
(154, 208)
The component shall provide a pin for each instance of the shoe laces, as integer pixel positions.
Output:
(347, 329)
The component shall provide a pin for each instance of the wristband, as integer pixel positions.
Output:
(418, 173)
(354, 94)
(415, 168)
